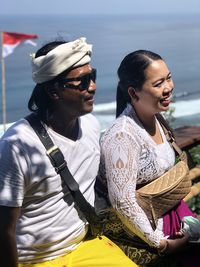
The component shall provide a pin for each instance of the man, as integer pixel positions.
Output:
(40, 225)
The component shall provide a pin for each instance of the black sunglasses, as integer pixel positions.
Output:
(84, 81)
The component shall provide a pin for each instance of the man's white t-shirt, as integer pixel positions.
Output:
(49, 225)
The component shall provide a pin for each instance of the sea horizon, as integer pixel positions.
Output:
(176, 38)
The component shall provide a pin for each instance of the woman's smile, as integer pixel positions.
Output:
(165, 101)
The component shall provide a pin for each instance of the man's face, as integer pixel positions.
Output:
(76, 91)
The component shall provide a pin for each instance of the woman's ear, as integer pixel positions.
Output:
(132, 93)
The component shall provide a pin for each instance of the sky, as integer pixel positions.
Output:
(48, 7)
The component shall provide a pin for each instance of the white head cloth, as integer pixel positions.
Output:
(61, 58)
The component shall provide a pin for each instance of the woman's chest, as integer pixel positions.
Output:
(154, 160)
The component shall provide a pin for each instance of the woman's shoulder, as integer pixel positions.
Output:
(123, 125)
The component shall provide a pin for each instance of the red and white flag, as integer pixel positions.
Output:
(12, 39)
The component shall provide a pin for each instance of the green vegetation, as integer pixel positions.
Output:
(195, 153)
(169, 115)
(194, 203)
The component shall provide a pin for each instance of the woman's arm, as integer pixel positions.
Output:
(121, 156)
(8, 249)
(170, 246)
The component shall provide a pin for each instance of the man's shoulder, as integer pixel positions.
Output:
(91, 121)
(20, 130)
(15, 127)
(90, 126)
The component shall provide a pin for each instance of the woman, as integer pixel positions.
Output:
(135, 150)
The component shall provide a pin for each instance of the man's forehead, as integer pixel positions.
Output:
(78, 71)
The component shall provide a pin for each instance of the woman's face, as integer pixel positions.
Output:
(156, 92)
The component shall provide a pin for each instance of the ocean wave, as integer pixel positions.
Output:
(105, 107)
(105, 112)
(183, 94)
(181, 108)
(186, 108)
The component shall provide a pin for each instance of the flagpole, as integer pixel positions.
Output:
(3, 86)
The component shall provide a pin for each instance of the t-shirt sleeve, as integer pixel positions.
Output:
(12, 181)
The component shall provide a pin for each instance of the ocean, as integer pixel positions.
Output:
(175, 37)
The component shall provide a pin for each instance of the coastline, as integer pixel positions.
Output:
(177, 122)
(183, 113)
(106, 121)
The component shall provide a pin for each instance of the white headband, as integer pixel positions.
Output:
(61, 58)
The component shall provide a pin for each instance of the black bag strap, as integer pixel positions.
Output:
(169, 135)
(60, 165)
(171, 139)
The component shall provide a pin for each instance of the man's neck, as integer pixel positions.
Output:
(69, 129)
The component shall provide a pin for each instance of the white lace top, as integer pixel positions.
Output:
(131, 157)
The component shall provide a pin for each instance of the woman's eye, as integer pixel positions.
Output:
(158, 84)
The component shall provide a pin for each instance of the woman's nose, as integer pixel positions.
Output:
(168, 85)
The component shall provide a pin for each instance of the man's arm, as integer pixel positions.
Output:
(8, 249)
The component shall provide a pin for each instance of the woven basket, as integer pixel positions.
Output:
(162, 194)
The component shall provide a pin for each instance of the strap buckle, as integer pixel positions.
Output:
(56, 158)
(170, 137)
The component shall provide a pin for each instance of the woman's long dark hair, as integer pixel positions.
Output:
(40, 102)
(131, 72)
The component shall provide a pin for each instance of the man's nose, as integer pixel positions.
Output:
(92, 86)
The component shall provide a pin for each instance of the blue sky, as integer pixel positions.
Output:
(99, 6)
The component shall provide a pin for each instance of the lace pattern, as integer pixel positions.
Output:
(131, 157)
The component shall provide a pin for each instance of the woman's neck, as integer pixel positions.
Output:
(151, 126)
(147, 120)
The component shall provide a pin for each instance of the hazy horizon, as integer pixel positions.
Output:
(24, 7)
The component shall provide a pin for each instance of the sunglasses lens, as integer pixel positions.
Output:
(86, 79)
(93, 75)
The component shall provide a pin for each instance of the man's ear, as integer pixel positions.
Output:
(132, 93)
(52, 92)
